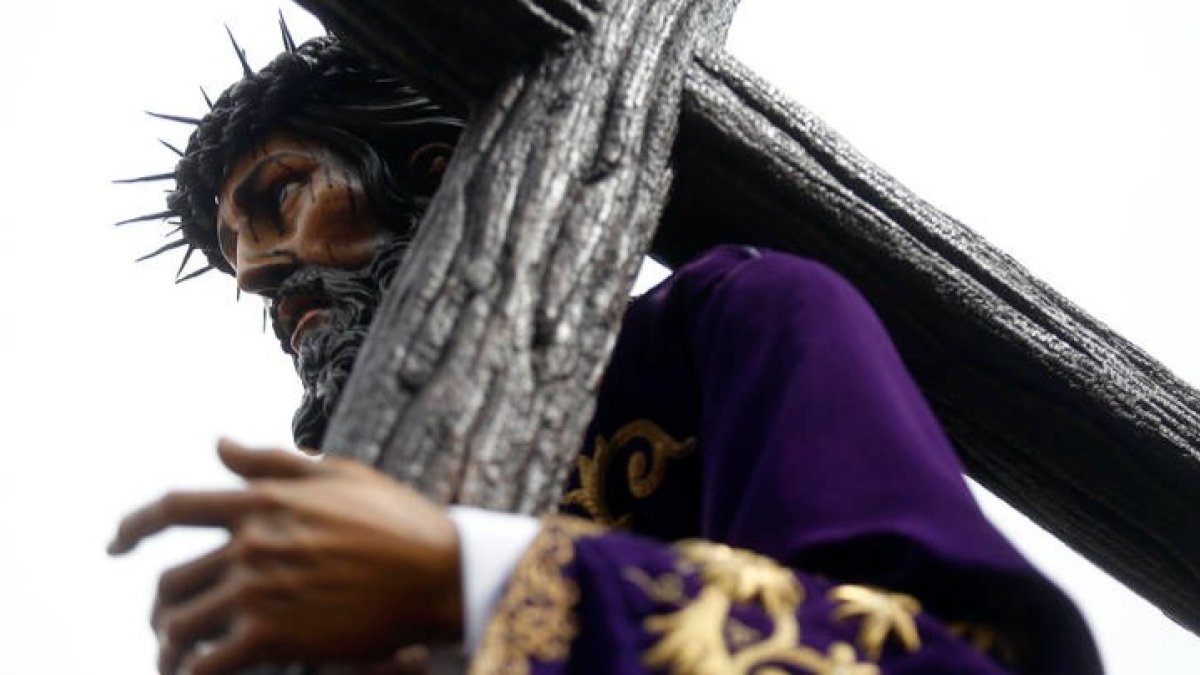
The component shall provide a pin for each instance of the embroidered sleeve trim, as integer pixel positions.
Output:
(701, 637)
(535, 619)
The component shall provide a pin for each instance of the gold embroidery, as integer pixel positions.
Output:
(841, 660)
(743, 575)
(535, 619)
(590, 493)
(739, 635)
(989, 640)
(691, 638)
(701, 638)
(666, 589)
(883, 614)
(645, 471)
(647, 474)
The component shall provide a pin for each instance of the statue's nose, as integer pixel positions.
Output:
(263, 275)
(268, 251)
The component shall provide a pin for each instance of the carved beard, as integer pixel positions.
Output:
(328, 351)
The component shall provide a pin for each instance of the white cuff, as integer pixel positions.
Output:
(490, 545)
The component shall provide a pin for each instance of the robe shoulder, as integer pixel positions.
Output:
(755, 400)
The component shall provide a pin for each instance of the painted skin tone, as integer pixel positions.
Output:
(290, 204)
(327, 561)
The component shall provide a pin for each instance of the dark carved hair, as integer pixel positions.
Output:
(323, 92)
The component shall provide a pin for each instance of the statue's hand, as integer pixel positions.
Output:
(327, 561)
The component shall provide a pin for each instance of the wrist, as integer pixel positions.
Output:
(425, 580)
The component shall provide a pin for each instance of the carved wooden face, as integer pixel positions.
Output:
(290, 203)
(297, 226)
(294, 203)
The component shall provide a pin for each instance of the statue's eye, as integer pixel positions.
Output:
(287, 188)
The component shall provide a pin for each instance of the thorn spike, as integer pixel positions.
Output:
(195, 274)
(187, 255)
(241, 53)
(289, 43)
(161, 215)
(170, 147)
(207, 100)
(163, 249)
(175, 118)
(145, 179)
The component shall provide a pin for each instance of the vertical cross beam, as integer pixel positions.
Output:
(1074, 425)
(480, 371)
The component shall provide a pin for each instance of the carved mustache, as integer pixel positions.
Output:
(351, 295)
(326, 356)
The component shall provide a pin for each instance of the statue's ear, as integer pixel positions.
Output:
(427, 164)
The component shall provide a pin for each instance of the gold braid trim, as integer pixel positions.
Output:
(536, 617)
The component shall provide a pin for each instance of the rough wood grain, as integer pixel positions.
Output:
(463, 49)
(1058, 414)
(480, 371)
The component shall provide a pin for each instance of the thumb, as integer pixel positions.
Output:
(257, 463)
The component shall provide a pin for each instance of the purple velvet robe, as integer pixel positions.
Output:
(770, 493)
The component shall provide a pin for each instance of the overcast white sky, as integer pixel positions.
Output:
(1063, 130)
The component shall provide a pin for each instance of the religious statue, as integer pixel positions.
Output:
(762, 488)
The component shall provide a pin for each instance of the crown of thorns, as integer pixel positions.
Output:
(318, 71)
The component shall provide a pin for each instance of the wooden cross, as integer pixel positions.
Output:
(603, 129)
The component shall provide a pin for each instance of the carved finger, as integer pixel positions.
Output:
(185, 581)
(201, 509)
(182, 628)
(411, 660)
(251, 464)
(239, 650)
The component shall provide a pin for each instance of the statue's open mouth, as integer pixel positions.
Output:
(310, 319)
(296, 314)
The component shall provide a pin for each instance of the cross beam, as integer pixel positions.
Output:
(1061, 416)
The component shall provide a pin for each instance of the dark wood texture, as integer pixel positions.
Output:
(1065, 419)
(480, 372)
(1062, 417)
(459, 48)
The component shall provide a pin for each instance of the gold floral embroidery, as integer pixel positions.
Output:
(989, 640)
(742, 575)
(666, 589)
(645, 471)
(701, 638)
(536, 618)
(739, 635)
(841, 660)
(590, 493)
(883, 614)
